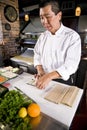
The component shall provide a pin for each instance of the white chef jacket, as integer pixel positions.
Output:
(60, 52)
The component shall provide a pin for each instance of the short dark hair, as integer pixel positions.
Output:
(54, 4)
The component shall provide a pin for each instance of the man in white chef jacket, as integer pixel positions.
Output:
(57, 52)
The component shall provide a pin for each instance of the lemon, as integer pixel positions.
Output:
(22, 112)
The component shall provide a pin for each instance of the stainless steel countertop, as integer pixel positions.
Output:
(47, 123)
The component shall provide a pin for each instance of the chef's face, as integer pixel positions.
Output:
(49, 19)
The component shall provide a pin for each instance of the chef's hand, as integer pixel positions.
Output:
(42, 82)
(40, 72)
(38, 76)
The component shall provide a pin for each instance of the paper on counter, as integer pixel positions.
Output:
(62, 94)
(9, 74)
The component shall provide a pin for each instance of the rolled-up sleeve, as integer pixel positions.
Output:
(72, 58)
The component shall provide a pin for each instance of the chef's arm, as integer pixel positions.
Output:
(54, 75)
(40, 70)
(51, 75)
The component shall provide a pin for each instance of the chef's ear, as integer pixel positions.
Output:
(59, 14)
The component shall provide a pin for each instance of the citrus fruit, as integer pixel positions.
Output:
(33, 110)
(22, 112)
(35, 121)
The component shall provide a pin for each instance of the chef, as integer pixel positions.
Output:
(57, 52)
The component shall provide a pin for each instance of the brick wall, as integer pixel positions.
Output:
(7, 37)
